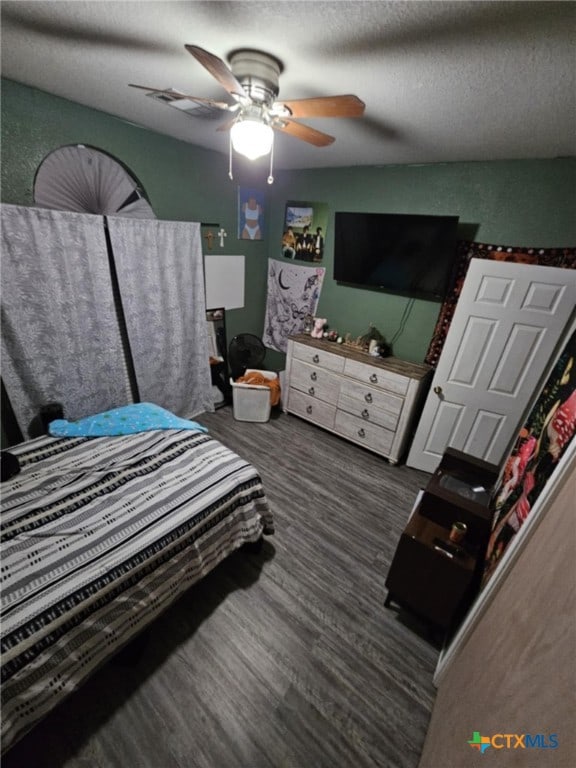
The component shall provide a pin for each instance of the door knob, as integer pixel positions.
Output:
(438, 390)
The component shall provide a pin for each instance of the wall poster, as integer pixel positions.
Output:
(250, 214)
(304, 231)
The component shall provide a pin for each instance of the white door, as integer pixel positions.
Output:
(508, 322)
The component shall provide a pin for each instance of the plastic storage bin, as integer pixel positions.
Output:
(251, 402)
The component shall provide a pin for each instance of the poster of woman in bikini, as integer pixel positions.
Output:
(250, 214)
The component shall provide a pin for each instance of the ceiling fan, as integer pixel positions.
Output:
(252, 82)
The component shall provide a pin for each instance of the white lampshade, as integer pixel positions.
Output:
(252, 138)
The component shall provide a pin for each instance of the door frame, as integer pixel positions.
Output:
(566, 467)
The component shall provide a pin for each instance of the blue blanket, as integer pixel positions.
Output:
(126, 420)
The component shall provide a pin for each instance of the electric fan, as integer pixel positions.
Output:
(252, 80)
(245, 351)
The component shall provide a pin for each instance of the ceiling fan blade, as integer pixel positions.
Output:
(227, 125)
(217, 69)
(325, 106)
(177, 95)
(304, 132)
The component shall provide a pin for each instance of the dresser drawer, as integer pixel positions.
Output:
(312, 409)
(367, 412)
(370, 435)
(313, 356)
(315, 381)
(357, 397)
(377, 377)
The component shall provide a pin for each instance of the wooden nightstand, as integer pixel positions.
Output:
(431, 576)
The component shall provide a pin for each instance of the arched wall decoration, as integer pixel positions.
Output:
(87, 180)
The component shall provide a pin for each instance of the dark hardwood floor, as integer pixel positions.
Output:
(282, 659)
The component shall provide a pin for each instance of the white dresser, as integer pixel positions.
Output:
(369, 400)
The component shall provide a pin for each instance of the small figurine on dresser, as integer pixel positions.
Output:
(374, 343)
(318, 331)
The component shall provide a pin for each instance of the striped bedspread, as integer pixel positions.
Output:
(99, 536)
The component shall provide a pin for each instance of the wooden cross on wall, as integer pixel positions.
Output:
(209, 236)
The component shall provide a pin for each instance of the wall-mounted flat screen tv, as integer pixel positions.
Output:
(408, 254)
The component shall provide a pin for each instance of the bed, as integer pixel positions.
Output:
(100, 535)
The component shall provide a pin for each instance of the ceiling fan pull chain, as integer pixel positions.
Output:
(271, 177)
(230, 176)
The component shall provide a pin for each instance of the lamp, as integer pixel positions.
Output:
(252, 137)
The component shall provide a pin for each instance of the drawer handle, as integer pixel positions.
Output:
(365, 414)
(313, 376)
(374, 379)
(316, 359)
(361, 432)
(368, 397)
(311, 390)
(444, 552)
(308, 409)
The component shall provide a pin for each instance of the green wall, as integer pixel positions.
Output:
(522, 203)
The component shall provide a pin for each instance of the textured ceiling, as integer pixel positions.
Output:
(442, 81)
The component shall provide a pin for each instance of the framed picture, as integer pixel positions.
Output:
(211, 329)
(304, 231)
(250, 214)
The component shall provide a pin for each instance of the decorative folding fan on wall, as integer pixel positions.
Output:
(87, 180)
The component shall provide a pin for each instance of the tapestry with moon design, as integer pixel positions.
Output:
(293, 293)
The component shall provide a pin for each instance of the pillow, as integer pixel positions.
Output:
(126, 420)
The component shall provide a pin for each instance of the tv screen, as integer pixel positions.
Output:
(401, 253)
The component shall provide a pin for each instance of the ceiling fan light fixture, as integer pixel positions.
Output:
(252, 138)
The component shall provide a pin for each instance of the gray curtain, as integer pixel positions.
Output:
(161, 278)
(60, 336)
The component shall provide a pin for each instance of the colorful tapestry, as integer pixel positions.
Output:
(293, 293)
(541, 443)
(547, 257)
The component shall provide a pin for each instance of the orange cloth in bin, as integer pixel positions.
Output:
(257, 379)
